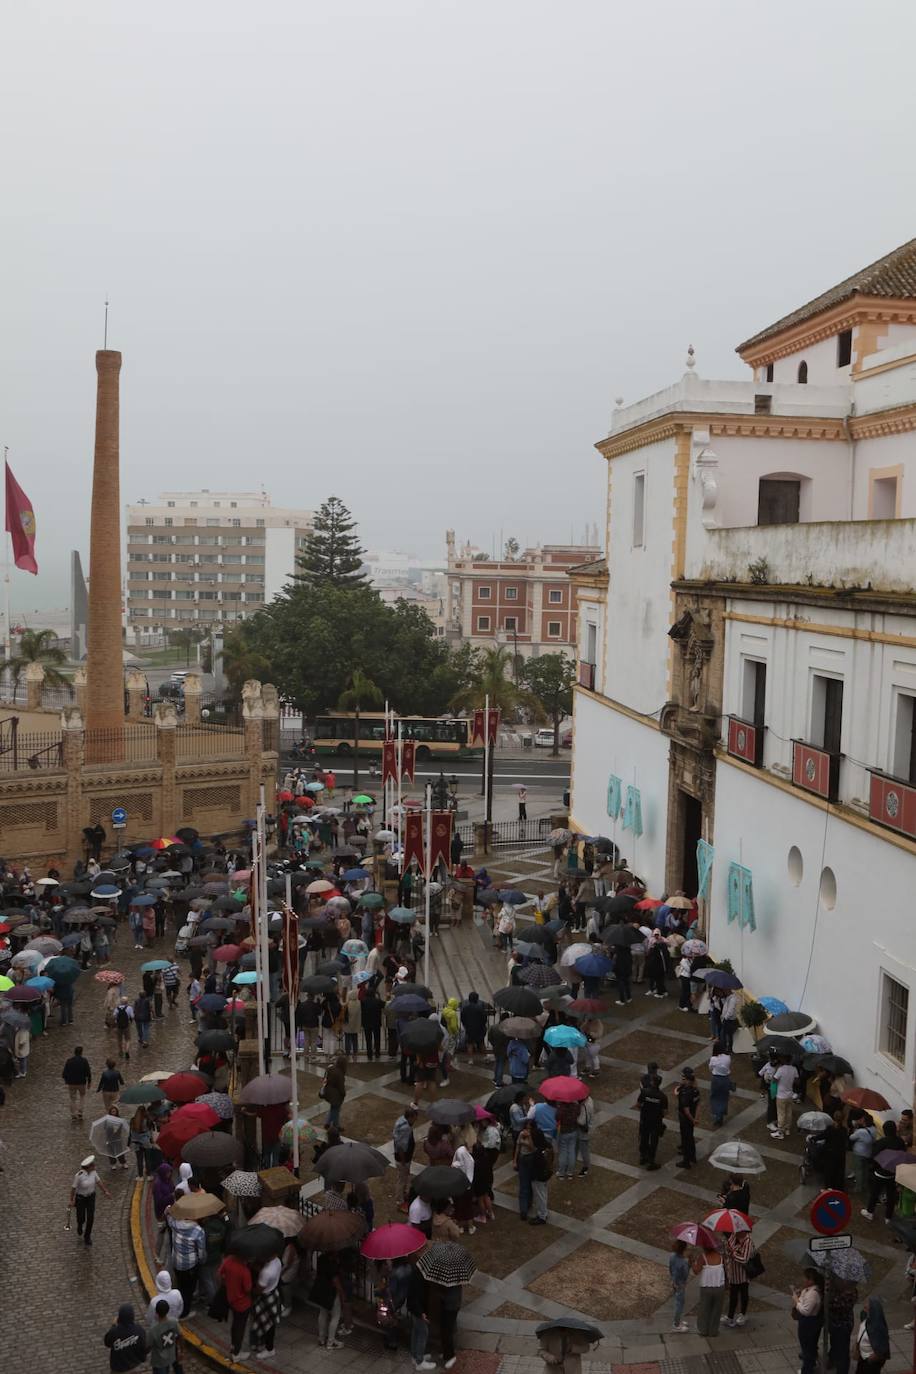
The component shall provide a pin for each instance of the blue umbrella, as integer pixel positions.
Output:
(155, 966)
(407, 1005)
(773, 1005)
(531, 951)
(355, 949)
(106, 891)
(362, 977)
(593, 965)
(249, 976)
(314, 787)
(489, 897)
(70, 941)
(144, 899)
(565, 1037)
(211, 1003)
(41, 983)
(512, 897)
(142, 851)
(402, 915)
(355, 875)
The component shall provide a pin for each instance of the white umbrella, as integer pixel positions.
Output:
(47, 882)
(574, 952)
(110, 1135)
(242, 1184)
(384, 835)
(734, 1156)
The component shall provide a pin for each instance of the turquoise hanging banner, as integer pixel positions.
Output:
(705, 855)
(632, 811)
(741, 896)
(614, 786)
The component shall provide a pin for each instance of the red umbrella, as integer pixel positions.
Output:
(728, 1220)
(227, 954)
(198, 1112)
(184, 1087)
(5, 927)
(164, 842)
(285, 795)
(563, 1089)
(867, 1099)
(175, 1135)
(648, 904)
(694, 1233)
(587, 1006)
(392, 1241)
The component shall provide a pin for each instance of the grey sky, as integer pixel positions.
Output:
(408, 252)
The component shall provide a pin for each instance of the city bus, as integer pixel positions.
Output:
(437, 737)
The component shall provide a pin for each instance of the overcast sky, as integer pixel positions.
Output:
(408, 252)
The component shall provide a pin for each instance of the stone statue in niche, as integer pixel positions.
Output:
(695, 694)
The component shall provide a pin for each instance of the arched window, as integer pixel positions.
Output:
(803, 372)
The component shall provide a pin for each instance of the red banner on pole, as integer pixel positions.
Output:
(442, 838)
(478, 727)
(20, 524)
(389, 761)
(290, 955)
(408, 755)
(493, 724)
(413, 840)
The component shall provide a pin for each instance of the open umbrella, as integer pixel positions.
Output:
(850, 1266)
(447, 1264)
(719, 978)
(791, 1023)
(649, 904)
(782, 1044)
(559, 836)
(735, 1156)
(142, 1094)
(866, 1098)
(834, 1064)
(216, 1041)
(221, 1103)
(317, 982)
(728, 1221)
(110, 1135)
(421, 1036)
(573, 952)
(227, 954)
(355, 949)
(155, 966)
(519, 1028)
(267, 1090)
(320, 885)
(332, 1230)
(519, 1001)
(196, 1206)
(512, 897)
(246, 978)
(242, 1184)
(212, 1150)
(402, 915)
(694, 948)
(185, 1086)
(536, 935)
(332, 968)
(895, 1159)
(905, 1176)
(563, 1089)
(594, 966)
(814, 1121)
(283, 1219)
(392, 1241)
(107, 892)
(175, 1135)
(439, 1181)
(355, 875)
(587, 1007)
(620, 936)
(414, 990)
(255, 1243)
(111, 976)
(449, 1111)
(307, 1133)
(43, 984)
(565, 1037)
(695, 1233)
(17, 1019)
(539, 976)
(351, 1162)
(212, 1003)
(62, 969)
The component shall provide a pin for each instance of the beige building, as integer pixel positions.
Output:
(207, 557)
(527, 604)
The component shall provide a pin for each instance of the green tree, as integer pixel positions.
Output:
(512, 549)
(332, 555)
(550, 680)
(37, 646)
(242, 658)
(487, 678)
(185, 639)
(361, 694)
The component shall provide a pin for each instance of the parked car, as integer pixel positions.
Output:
(543, 739)
(566, 739)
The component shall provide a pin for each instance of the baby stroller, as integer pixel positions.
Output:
(810, 1166)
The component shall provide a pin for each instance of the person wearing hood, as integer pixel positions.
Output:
(873, 1345)
(126, 1341)
(184, 1180)
(164, 1292)
(163, 1190)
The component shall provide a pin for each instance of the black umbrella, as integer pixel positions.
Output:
(615, 906)
(316, 923)
(834, 1064)
(317, 982)
(502, 1099)
(332, 968)
(447, 1264)
(227, 904)
(499, 1040)
(108, 921)
(561, 1324)
(439, 1181)
(535, 935)
(216, 923)
(190, 894)
(782, 1044)
(788, 1022)
(519, 1001)
(421, 1036)
(188, 834)
(351, 1162)
(213, 1150)
(256, 1243)
(621, 936)
(413, 990)
(449, 1111)
(211, 1003)
(217, 1041)
(539, 976)
(345, 851)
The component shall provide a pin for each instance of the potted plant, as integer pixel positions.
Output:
(753, 1016)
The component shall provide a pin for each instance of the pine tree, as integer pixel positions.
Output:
(332, 556)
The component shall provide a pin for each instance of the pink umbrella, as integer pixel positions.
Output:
(694, 1233)
(392, 1241)
(481, 1114)
(241, 875)
(728, 1221)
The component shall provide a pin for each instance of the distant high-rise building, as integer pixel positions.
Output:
(207, 558)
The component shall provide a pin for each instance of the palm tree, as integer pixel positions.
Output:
(240, 660)
(37, 646)
(488, 679)
(361, 693)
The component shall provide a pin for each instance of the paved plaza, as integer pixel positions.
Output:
(603, 1254)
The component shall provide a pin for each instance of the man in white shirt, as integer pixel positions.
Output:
(785, 1078)
(729, 1021)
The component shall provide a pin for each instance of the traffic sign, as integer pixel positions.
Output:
(830, 1211)
(817, 1244)
(119, 816)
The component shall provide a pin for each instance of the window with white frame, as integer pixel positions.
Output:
(826, 713)
(904, 765)
(639, 509)
(554, 629)
(484, 593)
(895, 1003)
(511, 593)
(555, 596)
(511, 622)
(483, 622)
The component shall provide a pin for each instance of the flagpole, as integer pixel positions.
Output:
(262, 936)
(400, 754)
(486, 773)
(7, 630)
(294, 1068)
(255, 928)
(429, 866)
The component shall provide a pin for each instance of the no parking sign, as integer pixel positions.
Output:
(830, 1212)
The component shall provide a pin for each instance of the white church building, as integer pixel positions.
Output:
(747, 661)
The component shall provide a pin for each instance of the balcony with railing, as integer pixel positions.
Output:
(816, 770)
(892, 803)
(587, 674)
(744, 741)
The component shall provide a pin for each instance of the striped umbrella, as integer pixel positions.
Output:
(728, 1220)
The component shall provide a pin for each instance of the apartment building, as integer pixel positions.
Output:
(207, 557)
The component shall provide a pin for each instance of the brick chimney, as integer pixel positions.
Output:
(104, 658)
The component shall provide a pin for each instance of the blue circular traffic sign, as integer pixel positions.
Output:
(119, 816)
(830, 1212)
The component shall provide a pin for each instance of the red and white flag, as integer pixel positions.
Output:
(20, 524)
(413, 840)
(290, 955)
(478, 726)
(493, 724)
(442, 838)
(389, 761)
(409, 748)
